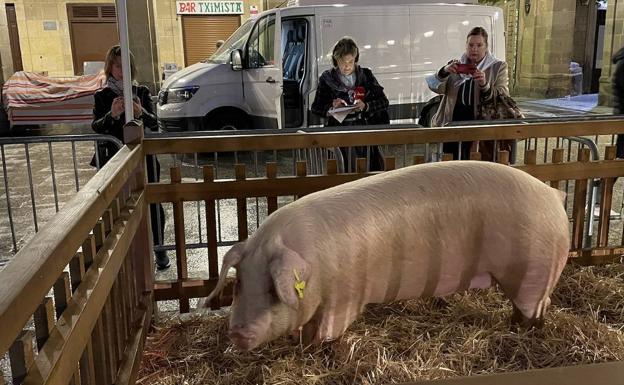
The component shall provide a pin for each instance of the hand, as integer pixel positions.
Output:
(338, 103)
(136, 109)
(361, 106)
(117, 108)
(451, 68)
(479, 77)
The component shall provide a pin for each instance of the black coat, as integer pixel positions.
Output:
(618, 95)
(330, 87)
(104, 123)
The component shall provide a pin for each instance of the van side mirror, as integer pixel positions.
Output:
(236, 60)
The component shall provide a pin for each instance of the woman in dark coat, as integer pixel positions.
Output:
(348, 84)
(109, 119)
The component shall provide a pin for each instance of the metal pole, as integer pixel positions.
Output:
(122, 25)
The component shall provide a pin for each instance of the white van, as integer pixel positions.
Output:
(265, 75)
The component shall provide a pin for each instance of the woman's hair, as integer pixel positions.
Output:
(345, 46)
(478, 31)
(113, 53)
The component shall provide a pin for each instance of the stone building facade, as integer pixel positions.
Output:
(47, 42)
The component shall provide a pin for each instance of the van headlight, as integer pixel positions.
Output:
(180, 95)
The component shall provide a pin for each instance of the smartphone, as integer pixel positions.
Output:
(468, 69)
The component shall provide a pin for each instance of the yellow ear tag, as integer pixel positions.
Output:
(299, 284)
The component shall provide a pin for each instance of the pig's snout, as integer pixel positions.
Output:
(242, 337)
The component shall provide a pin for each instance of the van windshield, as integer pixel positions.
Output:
(235, 41)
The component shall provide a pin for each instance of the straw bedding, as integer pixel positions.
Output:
(463, 334)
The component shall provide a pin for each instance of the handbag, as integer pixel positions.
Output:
(499, 107)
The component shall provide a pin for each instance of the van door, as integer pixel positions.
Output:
(262, 79)
(294, 59)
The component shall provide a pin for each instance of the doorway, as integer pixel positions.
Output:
(16, 51)
(92, 30)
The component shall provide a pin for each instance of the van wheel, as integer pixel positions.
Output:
(229, 122)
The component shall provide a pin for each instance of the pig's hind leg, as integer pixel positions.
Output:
(529, 304)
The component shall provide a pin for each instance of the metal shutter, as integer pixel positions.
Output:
(200, 34)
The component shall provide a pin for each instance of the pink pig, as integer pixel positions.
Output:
(426, 230)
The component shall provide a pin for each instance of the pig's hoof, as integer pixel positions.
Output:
(523, 322)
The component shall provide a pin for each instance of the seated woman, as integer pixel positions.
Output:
(340, 86)
(109, 119)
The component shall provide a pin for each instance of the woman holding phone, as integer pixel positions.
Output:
(464, 84)
(109, 119)
(348, 84)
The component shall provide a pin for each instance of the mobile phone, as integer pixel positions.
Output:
(463, 68)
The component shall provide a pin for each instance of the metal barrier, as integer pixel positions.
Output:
(39, 176)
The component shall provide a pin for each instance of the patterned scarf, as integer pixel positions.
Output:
(115, 85)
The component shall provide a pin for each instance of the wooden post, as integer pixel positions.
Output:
(606, 197)
(271, 172)
(557, 158)
(241, 204)
(418, 159)
(101, 372)
(89, 250)
(332, 167)
(447, 157)
(211, 233)
(44, 321)
(21, 356)
(578, 210)
(360, 165)
(180, 240)
(530, 157)
(390, 163)
(301, 173)
(475, 155)
(76, 270)
(503, 157)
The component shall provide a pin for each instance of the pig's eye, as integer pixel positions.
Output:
(273, 293)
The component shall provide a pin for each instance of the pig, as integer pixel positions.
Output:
(420, 231)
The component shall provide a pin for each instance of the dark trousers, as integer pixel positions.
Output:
(157, 213)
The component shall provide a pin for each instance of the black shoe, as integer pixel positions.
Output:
(162, 260)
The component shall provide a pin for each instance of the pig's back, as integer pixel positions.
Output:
(426, 229)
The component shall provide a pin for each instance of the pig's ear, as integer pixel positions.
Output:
(287, 269)
(231, 258)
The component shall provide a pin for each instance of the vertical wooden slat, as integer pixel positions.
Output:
(107, 219)
(21, 356)
(76, 270)
(86, 366)
(475, 155)
(271, 172)
(115, 208)
(89, 250)
(62, 293)
(118, 319)
(99, 233)
(332, 167)
(241, 204)
(418, 159)
(578, 210)
(360, 165)
(123, 305)
(110, 339)
(301, 171)
(180, 240)
(211, 227)
(100, 362)
(44, 321)
(606, 197)
(447, 157)
(390, 163)
(557, 158)
(530, 157)
(503, 157)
